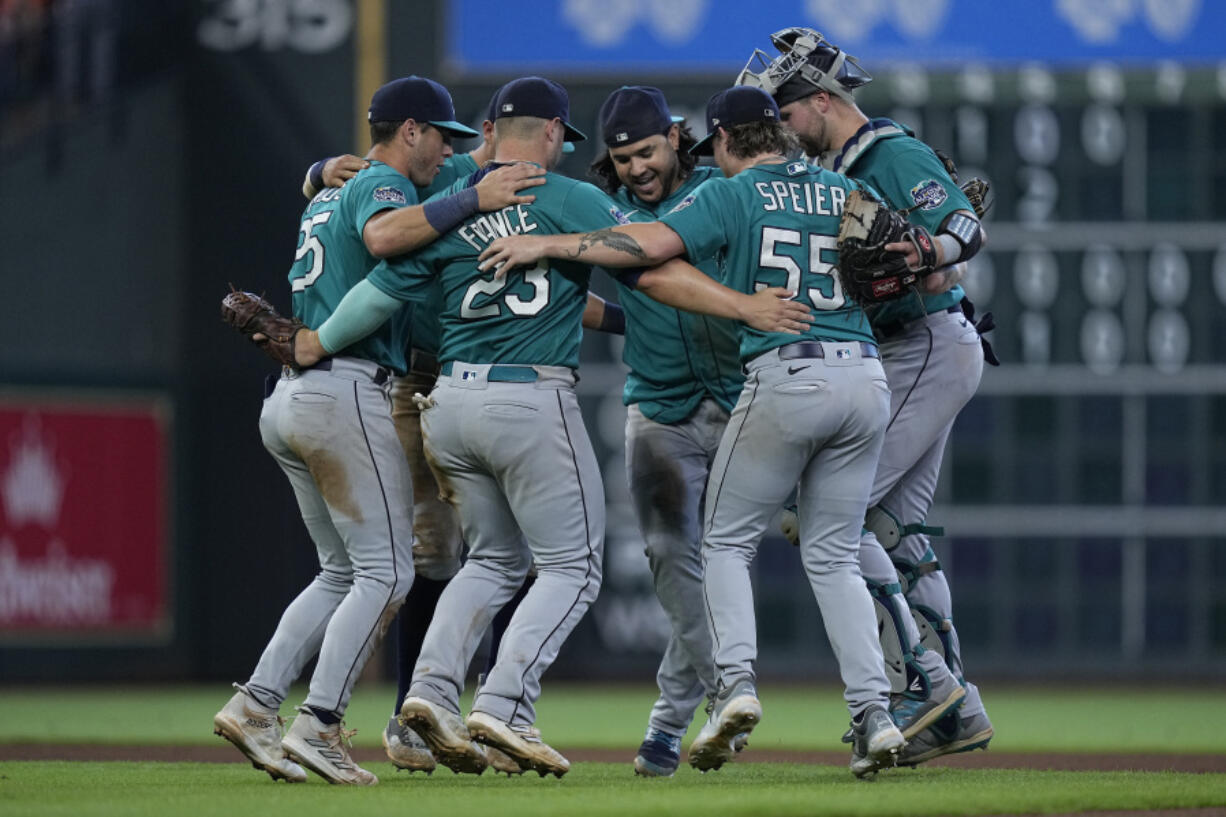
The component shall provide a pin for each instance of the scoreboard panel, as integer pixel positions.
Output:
(1085, 485)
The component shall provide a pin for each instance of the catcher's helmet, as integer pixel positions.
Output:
(807, 63)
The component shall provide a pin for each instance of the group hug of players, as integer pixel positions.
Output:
(432, 410)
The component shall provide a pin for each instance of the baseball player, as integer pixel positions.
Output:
(933, 359)
(506, 440)
(684, 379)
(437, 543)
(330, 429)
(812, 412)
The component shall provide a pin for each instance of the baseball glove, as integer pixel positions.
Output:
(869, 273)
(975, 189)
(258, 321)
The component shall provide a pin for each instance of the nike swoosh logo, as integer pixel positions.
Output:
(795, 369)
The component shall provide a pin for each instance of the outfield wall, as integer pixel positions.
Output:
(1084, 487)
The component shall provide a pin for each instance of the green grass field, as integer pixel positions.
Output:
(1028, 720)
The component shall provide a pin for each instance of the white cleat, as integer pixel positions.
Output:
(875, 742)
(405, 748)
(733, 716)
(256, 731)
(522, 744)
(324, 749)
(445, 735)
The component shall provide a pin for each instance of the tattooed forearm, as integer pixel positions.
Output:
(615, 241)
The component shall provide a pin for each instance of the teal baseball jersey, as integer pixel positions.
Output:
(676, 358)
(332, 257)
(908, 174)
(775, 225)
(424, 329)
(533, 315)
(456, 167)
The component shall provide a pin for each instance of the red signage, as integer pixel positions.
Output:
(84, 499)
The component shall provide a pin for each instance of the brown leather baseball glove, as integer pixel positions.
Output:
(258, 321)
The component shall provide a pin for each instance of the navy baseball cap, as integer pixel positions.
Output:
(634, 112)
(419, 99)
(539, 97)
(738, 105)
(492, 114)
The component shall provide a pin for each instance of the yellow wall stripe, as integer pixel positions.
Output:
(370, 64)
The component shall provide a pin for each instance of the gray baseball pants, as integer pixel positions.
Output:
(934, 367)
(437, 544)
(515, 461)
(332, 434)
(667, 466)
(814, 424)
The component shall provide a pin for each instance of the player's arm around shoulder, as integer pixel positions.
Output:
(408, 226)
(681, 285)
(608, 238)
(331, 172)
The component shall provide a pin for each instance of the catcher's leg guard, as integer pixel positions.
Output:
(928, 595)
(900, 644)
(890, 530)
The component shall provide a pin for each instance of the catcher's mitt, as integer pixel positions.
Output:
(869, 273)
(258, 321)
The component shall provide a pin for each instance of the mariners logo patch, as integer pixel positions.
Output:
(619, 216)
(390, 194)
(929, 194)
(684, 203)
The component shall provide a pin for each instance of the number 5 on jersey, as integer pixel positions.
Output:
(311, 244)
(770, 258)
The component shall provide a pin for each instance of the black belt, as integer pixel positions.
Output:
(381, 375)
(889, 330)
(813, 348)
(423, 362)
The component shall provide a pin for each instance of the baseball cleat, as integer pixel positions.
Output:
(659, 754)
(500, 761)
(324, 749)
(914, 711)
(522, 744)
(875, 741)
(733, 713)
(256, 731)
(405, 749)
(445, 735)
(951, 734)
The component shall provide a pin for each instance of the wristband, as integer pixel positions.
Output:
(444, 213)
(316, 174)
(613, 320)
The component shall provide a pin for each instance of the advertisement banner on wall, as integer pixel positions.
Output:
(717, 36)
(84, 520)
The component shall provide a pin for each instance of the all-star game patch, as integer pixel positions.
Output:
(929, 194)
(619, 216)
(390, 194)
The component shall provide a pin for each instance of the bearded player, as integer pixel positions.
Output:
(933, 360)
(684, 379)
